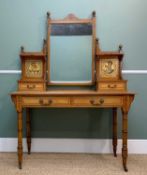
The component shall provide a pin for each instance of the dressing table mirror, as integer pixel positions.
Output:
(71, 50)
(71, 56)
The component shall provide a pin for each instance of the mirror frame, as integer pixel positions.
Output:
(72, 19)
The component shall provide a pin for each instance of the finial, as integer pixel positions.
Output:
(22, 48)
(48, 15)
(120, 48)
(94, 14)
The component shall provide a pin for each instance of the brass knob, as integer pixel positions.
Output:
(95, 102)
(101, 100)
(44, 102)
(31, 86)
(112, 86)
(50, 101)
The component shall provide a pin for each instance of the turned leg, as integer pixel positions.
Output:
(28, 129)
(114, 141)
(124, 139)
(20, 148)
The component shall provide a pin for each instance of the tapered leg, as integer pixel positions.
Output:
(28, 129)
(20, 148)
(114, 141)
(124, 139)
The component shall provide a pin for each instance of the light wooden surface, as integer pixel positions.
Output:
(63, 98)
(71, 92)
(110, 88)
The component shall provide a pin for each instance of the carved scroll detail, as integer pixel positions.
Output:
(71, 16)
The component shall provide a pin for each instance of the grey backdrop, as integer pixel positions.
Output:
(23, 23)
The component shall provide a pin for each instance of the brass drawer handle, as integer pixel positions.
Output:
(31, 86)
(48, 102)
(112, 86)
(94, 102)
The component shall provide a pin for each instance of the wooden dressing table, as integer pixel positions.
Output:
(110, 89)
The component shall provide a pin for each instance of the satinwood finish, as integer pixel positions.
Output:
(108, 70)
(33, 70)
(74, 99)
(110, 88)
(28, 129)
(114, 141)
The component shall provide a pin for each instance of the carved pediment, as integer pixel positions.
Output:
(71, 16)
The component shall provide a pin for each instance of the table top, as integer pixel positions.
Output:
(69, 92)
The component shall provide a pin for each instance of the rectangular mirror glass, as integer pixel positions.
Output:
(70, 59)
(71, 51)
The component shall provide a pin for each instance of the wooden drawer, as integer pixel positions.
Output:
(94, 101)
(112, 86)
(45, 101)
(23, 86)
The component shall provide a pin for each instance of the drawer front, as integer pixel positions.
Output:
(104, 101)
(45, 101)
(112, 86)
(31, 86)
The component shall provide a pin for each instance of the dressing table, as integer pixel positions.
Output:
(110, 90)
